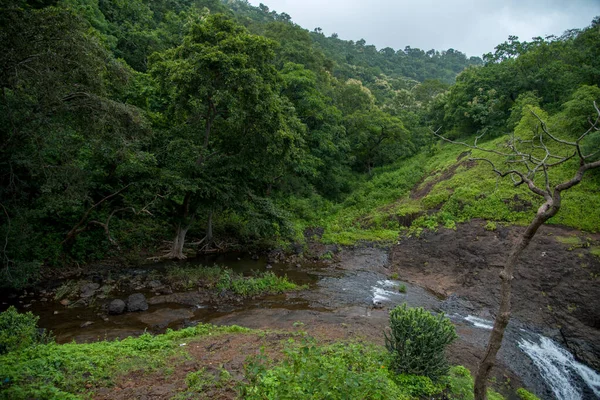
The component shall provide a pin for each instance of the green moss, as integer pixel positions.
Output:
(595, 251)
(525, 395)
(569, 240)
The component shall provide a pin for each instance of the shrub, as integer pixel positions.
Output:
(417, 342)
(18, 331)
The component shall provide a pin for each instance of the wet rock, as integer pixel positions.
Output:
(116, 307)
(255, 257)
(89, 289)
(269, 266)
(27, 306)
(162, 318)
(165, 290)
(137, 302)
(86, 324)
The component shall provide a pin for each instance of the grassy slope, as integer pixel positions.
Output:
(372, 211)
(306, 369)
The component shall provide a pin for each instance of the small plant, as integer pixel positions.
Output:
(402, 288)
(526, 395)
(18, 331)
(491, 226)
(394, 276)
(417, 341)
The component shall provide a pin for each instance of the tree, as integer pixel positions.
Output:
(230, 132)
(530, 161)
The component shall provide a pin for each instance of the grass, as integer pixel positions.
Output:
(346, 371)
(373, 211)
(307, 369)
(67, 371)
(223, 279)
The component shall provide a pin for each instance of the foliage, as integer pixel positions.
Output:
(65, 371)
(223, 279)
(417, 341)
(339, 371)
(525, 395)
(460, 383)
(19, 331)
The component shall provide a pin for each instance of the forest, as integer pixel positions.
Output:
(125, 124)
(156, 130)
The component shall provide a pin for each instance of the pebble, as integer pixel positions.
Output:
(55, 312)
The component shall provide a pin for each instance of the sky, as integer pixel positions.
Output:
(474, 27)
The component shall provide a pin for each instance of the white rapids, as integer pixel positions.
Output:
(559, 368)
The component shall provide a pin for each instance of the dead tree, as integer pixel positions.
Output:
(526, 159)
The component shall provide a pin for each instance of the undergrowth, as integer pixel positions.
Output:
(443, 190)
(222, 279)
(67, 371)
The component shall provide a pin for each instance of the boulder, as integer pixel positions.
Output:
(137, 302)
(89, 289)
(116, 307)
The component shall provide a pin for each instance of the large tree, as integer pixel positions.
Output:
(231, 133)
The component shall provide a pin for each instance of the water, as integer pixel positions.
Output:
(480, 322)
(338, 292)
(560, 370)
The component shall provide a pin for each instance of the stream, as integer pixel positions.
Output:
(355, 292)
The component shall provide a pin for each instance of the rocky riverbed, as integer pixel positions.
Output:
(351, 290)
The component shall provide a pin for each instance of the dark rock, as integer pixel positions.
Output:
(89, 289)
(116, 307)
(137, 302)
(154, 284)
(255, 257)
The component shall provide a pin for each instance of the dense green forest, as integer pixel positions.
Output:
(125, 124)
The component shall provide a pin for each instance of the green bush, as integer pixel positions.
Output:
(417, 342)
(339, 371)
(18, 331)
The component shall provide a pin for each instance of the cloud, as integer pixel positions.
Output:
(471, 26)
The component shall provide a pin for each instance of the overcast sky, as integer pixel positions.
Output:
(474, 27)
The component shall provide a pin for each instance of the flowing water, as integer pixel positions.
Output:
(342, 291)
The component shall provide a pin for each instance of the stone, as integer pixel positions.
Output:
(154, 284)
(269, 266)
(137, 302)
(86, 324)
(116, 307)
(89, 289)
(65, 302)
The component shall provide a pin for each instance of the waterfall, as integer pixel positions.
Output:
(559, 369)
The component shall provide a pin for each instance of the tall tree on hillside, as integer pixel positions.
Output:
(231, 132)
(530, 153)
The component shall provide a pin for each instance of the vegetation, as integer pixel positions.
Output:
(222, 279)
(131, 124)
(67, 371)
(19, 331)
(417, 342)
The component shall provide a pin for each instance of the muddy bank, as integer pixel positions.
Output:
(556, 286)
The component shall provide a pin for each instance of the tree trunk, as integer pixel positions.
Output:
(177, 248)
(209, 229)
(547, 211)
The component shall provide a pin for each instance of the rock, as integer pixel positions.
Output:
(269, 266)
(165, 290)
(89, 289)
(255, 257)
(86, 324)
(27, 306)
(137, 302)
(116, 307)
(154, 284)
(55, 312)
(163, 317)
(65, 302)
